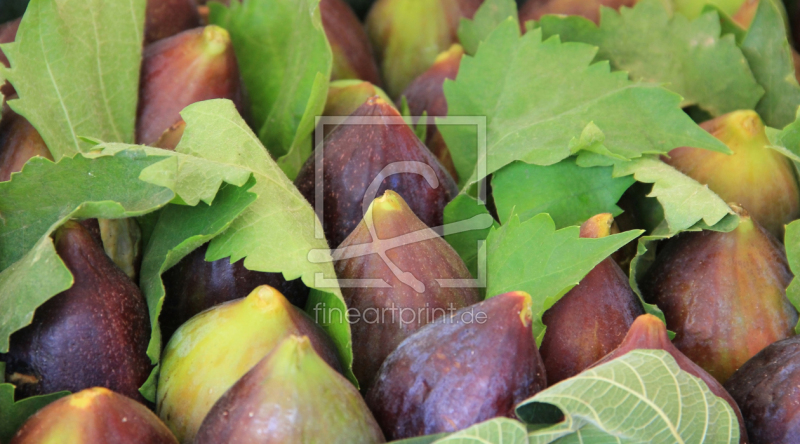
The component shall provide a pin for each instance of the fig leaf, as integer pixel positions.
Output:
(491, 14)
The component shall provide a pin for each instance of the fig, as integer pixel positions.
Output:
(19, 141)
(211, 351)
(192, 66)
(590, 9)
(360, 157)
(591, 319)
(412, 270)
(8, 32)
(723, 294)
(94, 415)
(345, 96)
(408, 34)
(426, 95)
(170, 138)
(755, 176)
(165, 18)
(194, 285)
(291, 396)
(93, 335)
(464, 368)
(767, 389)
(352, 53)
(649, 333)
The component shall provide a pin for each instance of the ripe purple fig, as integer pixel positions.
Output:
(291, 396)
(360, 160)
(467, 367)
(195, 65)
(19, 142)
(93, 335)
(165, 18)
(352, 53)
(535, 9)
(94, 416)
(592, 319)
(755, 176)
(723, 294)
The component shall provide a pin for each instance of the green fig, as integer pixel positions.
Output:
(591, 319)
(413, 270)
(165, 18)
(352, 53)
(210, 352)
(755, 176)
(19, 142)
(723, 294)
(408, 35)
(291, 396)
(426, 95)
(192, 66)
(649, 333)
(470, 366)
(535, 9)
(194, 285)
(354, 158)
(94, 416)
(345, 96)
(93, 335)
(767, 389)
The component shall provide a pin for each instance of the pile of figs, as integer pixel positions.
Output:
(245, 359)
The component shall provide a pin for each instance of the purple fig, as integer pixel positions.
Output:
(354, 158)
(352, 53)
(195, 65)
(345, 96)
(535, 9)
(165, 18)
(94, 416)
(19, 142)
(291, 396)
(93, 335)
(467, 367)
(592, 319)
(723, 294)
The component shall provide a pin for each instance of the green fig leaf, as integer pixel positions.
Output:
(15, 414)
(491, 14)
(467, 243)
(727, 25)
(689, 58)
(532, 256)
(792, 241)
(285, 61)
(642, 396)
(75, 66)
(427, 439)
(495, 431)
(544, 101)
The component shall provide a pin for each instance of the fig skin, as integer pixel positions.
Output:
(194, 285)
(93, 335)
(192, 66)
(170, 138)
(210, 352)
(165, 18)
(590, 9)
(767, 388)
(723, 294)
(344, 98)
(354, 155)
(19, 142)
(408, 34)
(756, 177)
(426, 95)
(454, 373)
(649, 333)
(291, 396)
(94, 415)
(352, 52)
(591, 319)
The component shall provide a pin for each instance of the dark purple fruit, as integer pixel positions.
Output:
(165, 18)
(592, 319)
(535, 9)
(19, 142)
(467, 367)
(291, 396)
(93, 335)
(355, 154)
(352, 53)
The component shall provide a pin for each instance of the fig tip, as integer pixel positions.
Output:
(265, 298)
(454, 51)
(216, 39)
(597, 226)
(85, 398)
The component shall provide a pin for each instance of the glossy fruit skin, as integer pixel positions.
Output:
(94, 415)
(423, 255)
(19, 142)
(93, 335)
(767, 388)
(165, 18)
(590, 320)
(459, 371)
(649, 333)
(425, 94)
(194, 285)
(723, 294)
(210, 352)
(291, 396)
(590, 9)
(756, 177)
(352, 52)
(355, 154)
(192, 66)
(407, 46)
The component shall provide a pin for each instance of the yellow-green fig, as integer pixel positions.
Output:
(346, 96)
